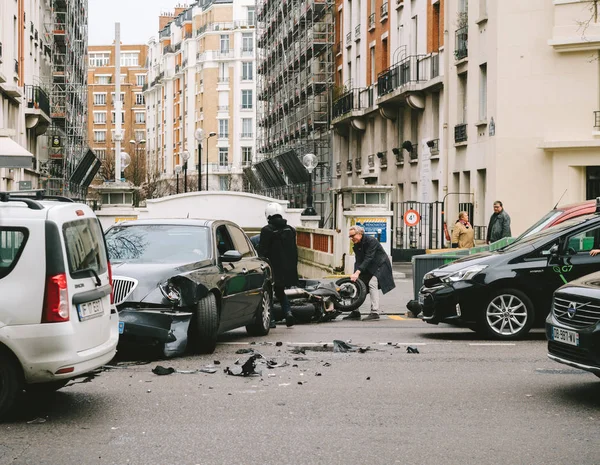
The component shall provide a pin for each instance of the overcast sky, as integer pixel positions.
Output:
(138, 18)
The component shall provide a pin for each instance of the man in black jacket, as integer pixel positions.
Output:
(499, 226)
(278, 244)
(373, 267)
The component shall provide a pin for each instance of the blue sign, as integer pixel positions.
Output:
(376, 227)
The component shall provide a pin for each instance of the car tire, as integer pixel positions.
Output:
(46, 388)
(262, 318)
(358, 293)
(507, 314)
(205, 326)
(10, 383)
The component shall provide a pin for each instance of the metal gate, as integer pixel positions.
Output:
(426, 234)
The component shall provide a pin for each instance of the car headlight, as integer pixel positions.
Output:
(464, 274)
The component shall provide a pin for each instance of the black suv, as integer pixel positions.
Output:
(573, 326)
(503, 293)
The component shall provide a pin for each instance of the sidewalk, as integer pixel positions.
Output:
(402, 270)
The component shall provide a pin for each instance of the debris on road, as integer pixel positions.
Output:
(412, 350)
(162, 371)
(247, 369)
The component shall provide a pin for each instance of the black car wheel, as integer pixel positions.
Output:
(205, 326)
(353, 294)
(508, 314)
(10, 384)
(262, 319)
(45, 388)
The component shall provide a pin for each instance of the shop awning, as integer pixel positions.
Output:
(13, 155)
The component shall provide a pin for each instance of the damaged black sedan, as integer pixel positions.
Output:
(181, 283)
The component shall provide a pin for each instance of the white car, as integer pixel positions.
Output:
(57, 318)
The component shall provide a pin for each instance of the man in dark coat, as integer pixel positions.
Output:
(278, 244)
(373, 267)
(499, 226)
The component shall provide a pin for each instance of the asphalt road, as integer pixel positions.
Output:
(460, 400)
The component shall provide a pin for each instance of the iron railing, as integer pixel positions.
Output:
(349, 166)
(357, 32)
(348, 38)
(414, 68)
(371, 20)
(354, 99)
(462, 38)
(597, 120)
(434, 147)
(460, 133)
(358, 164)
(37, 98)
(384, 10)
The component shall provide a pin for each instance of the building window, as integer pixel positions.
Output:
(100, 153)
(99, 59)
(223, 156)
(139, 134)
(247, 99)
(140, 79)
(483, 92)
(462, 98)
(139, 99)
(246, 156)
(129, 58)
(247, 71)
(99, 136)
(100, 99)
(247, 43)
(112, 96)
(223, 128)
(246, 127)
(102, 79)
(224, 43)
(140, 117)
(99, 117)
(250, 15)
(122, 117)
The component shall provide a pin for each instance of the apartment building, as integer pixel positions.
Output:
(25, 79)
(467, 102)
(296, 75)
(101, 102)
(202, 75)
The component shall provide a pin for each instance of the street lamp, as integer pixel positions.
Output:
(125, 161)
(199, 136)
(177, 171)
(310, 162)
(185, 156)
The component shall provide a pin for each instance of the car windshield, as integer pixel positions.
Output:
(542, 223)
(548, 232)
(154, 243)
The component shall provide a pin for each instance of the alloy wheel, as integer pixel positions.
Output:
(506, 315)
(266, 309)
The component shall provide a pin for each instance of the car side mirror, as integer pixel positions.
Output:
(552, 251)
(231, 256)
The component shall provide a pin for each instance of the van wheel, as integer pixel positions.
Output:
(10, 383)
(508, 314)
(262, 318)
(46, 388)
(205, 326)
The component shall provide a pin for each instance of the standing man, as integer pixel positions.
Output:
(373, 267)
(499, 226)
(278, 244)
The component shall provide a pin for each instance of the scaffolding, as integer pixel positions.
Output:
(295, 80)
(66, 35)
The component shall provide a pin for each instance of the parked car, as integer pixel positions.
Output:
(57, 320)
(573, 326)
(503, 293)
(183, 282)
(560, 214)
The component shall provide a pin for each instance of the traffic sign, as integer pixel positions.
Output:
(412, 217)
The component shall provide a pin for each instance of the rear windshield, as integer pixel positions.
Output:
(12, 244)
(85, 246)
(165, 243)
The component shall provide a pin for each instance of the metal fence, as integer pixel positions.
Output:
(426, 234)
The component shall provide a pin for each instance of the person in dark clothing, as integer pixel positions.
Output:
(499, 226)
(373, 267)
(278, 244)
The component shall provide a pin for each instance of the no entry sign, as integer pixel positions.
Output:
(412, 217)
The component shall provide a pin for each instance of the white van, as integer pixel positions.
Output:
(57, 317)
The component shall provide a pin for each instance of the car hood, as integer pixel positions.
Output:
(483, 258)
(586, 286)
(149, 275)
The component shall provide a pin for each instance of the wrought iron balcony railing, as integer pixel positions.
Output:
(371, 20)
(37, 98)
(462, 39)
(460, 133)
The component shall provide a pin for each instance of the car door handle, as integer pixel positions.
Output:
(244, 271)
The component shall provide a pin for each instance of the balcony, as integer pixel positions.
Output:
(358, 164)
(348, 39)
(434, 147)
(355, 99)
(338, 168)
(371, 21)
(412, 69)
(460, 133)
(397, 151)
(597, 121)
(382, 159)
(384, 11)
(37, 113)
(349, 167)
(371, 162)
(246, 135)
(357, 33)
(461, 50)
(247, 52)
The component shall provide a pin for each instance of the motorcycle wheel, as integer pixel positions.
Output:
(353, 294)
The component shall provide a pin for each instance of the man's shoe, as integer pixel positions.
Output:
(272, 324)
(371, 316)
(354, 315)
(289, 319)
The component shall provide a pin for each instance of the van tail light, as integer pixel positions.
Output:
(110, 281)
(56, 300)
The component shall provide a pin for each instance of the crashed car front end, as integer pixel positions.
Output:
(451, 296)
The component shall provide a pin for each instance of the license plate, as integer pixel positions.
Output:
(121, 327)
(565, 336)
(421, 299)
(89, 310)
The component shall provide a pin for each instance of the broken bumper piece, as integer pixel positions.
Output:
(152, 324)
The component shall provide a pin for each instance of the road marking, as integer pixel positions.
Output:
(396, 317)
(492, 344)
